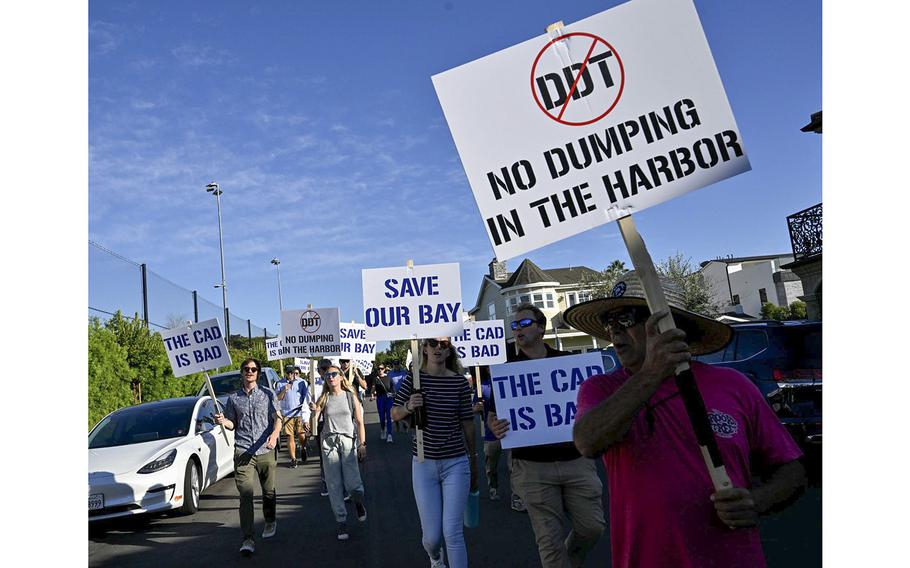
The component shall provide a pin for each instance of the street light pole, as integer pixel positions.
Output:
(277, 264)
(215, 189)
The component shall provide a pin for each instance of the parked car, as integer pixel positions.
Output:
(155, 456)
(784, 359)
(230, 381)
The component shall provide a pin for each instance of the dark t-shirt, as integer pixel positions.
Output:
(564, 451)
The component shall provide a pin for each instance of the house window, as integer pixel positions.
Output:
(735, 299)
(571, 299)
(550, 303)
(584, 296)
(763, 295)
(491, 311)
(513, 301)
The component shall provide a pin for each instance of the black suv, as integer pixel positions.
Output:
(784, 359)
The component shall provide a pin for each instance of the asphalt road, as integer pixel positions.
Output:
(391, 534)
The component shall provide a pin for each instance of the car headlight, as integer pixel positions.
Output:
(161, 463)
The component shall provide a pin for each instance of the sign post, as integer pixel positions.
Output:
(198, 347)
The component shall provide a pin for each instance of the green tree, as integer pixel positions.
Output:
(696, 291)
(397, 351)
(798, 310)
(109, 374)
(602, 284)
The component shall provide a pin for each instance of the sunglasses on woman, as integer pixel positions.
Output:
(433, 343)
(332, 374)
(250, 370)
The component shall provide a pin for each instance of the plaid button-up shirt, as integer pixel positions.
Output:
(253, 416)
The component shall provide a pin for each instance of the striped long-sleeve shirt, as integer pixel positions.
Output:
(447, 401)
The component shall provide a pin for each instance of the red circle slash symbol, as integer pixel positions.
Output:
(595, 77)
(310, 321)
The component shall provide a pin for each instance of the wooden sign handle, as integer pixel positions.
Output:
(479, 397)
(314, 426)
(685, 380)
(211, 389)
(415, 373)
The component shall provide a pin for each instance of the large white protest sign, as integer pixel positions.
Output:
(354, 343)
(313, 332)
(607, 116)
(481, 343)
(412, 302)
(275, 350)
(197, 347)
(538, 397)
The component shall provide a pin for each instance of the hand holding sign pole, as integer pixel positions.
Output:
(685, 380)
(197, 348)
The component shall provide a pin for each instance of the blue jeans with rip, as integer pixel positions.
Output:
(441, 491)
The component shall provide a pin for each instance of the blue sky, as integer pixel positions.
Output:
(321, 125)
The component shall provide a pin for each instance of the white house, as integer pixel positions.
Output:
(742, 284)
(552, 290)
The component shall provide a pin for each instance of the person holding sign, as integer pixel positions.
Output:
(340, 412)
(292, 394)
(252, 413)
(553, 479)
(664, 510)
(442, 481)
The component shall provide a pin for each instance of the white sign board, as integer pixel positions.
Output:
(275, 350)
(313, 332)
(365, 366)
(481, 343)
(563, 133)
(304, 365)
(538, 397)
(197, 347)
(354, 343)
(410, 303)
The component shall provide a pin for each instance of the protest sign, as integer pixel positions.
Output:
(538, 397)
(304, 365)
(571, 130)
(412, 302)
(365, 366)
(354, 344)
(313, 332)
(481, 343)
(196, 347)
(275, 350)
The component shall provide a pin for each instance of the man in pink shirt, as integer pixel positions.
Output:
(664, 511)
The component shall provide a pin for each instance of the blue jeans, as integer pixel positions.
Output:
(384, 406)
(441, 491)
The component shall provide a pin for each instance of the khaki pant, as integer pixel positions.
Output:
(550, 489)
(247, 467)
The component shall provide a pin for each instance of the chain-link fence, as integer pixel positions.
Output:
(118, 283)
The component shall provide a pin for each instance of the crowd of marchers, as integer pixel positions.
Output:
(663, 507)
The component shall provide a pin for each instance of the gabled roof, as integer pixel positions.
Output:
(528, 273)
(733, 260)
(573, 274)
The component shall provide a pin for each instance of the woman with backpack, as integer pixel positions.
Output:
(342, 446)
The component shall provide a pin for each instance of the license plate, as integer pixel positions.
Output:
(95, 502)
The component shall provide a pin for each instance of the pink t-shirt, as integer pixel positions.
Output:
(661, 514)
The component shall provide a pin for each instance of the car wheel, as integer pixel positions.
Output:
(192, 487)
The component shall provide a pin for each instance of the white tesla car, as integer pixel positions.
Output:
(154, 457)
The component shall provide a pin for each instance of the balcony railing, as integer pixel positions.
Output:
(806, 232)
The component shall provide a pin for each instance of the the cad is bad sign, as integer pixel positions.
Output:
(575, 128)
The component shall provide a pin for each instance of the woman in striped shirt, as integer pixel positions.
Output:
(442, 481)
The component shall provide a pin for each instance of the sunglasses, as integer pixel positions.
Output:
(522, 323)
(623, 319)
(332, 375)
(250, 370)
(433, 343)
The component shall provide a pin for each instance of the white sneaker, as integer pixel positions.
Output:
(382, 436)
(494, 494)
(270, 529)
(389, 438)
(438, 563)
(248, 547)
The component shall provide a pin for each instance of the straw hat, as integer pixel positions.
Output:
(704, 335)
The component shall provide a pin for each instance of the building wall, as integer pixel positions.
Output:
(745, 280)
